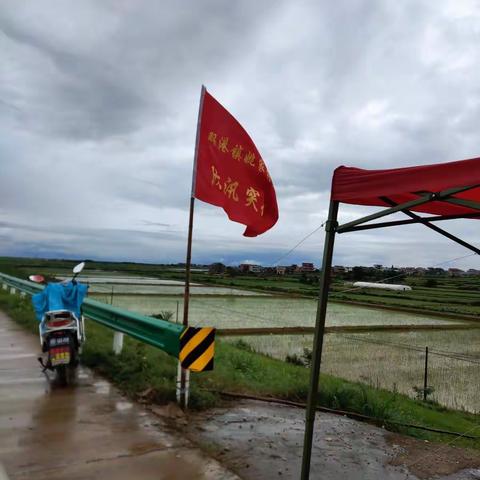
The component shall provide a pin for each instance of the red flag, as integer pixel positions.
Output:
(230, 172)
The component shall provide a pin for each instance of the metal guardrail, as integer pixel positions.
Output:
(159, 333)
(156, 332)
(21, 285)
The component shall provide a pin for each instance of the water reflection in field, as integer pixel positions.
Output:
(236, 311)
(170, 289)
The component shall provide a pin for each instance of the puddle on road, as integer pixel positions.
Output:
(17, 381)
(102, 388)
(10, 330)
(122, 406)
(11, 348)
(16, 356)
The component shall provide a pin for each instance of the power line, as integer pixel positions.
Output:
(315, 230)
(298, 244)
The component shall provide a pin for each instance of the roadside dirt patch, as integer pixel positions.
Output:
(427, 460)
(260, 440)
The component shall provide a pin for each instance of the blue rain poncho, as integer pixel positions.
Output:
(59, 296)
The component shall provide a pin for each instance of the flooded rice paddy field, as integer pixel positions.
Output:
(394, 361)
(387, 360)
(263, 311)
(125, 285)
(167, 289)
(95, 280)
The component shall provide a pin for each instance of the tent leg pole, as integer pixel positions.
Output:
(330, 230)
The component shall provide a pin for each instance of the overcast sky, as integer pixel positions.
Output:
(99, 102)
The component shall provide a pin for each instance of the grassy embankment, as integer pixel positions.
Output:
(237, 369)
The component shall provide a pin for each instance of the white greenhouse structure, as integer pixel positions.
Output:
(384, 286)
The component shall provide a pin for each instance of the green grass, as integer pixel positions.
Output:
(447, 304)
(239, 369)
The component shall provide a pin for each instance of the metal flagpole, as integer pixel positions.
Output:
(182, 395)
(330, 230)
(183, 383)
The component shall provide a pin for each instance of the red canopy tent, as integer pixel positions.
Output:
(401, 185)
(445, 191)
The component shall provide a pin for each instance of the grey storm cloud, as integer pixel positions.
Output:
(99, 103)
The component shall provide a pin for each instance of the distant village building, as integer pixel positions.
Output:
(250, 268)
(307, 267)
(280, 270)
(455, 272)
(473, 271)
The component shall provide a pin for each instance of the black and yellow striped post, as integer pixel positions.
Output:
(197, 348)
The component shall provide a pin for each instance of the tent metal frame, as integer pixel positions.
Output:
(331, 228)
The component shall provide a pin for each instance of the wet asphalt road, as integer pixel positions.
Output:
(84, 431)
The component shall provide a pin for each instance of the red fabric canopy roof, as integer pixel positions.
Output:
(365, 187)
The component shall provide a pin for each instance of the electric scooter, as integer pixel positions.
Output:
(62, 326)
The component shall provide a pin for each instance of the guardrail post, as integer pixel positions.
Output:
(117, 343)
(178, 390)
(23, 294)
(13, 291)
(4, 286)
